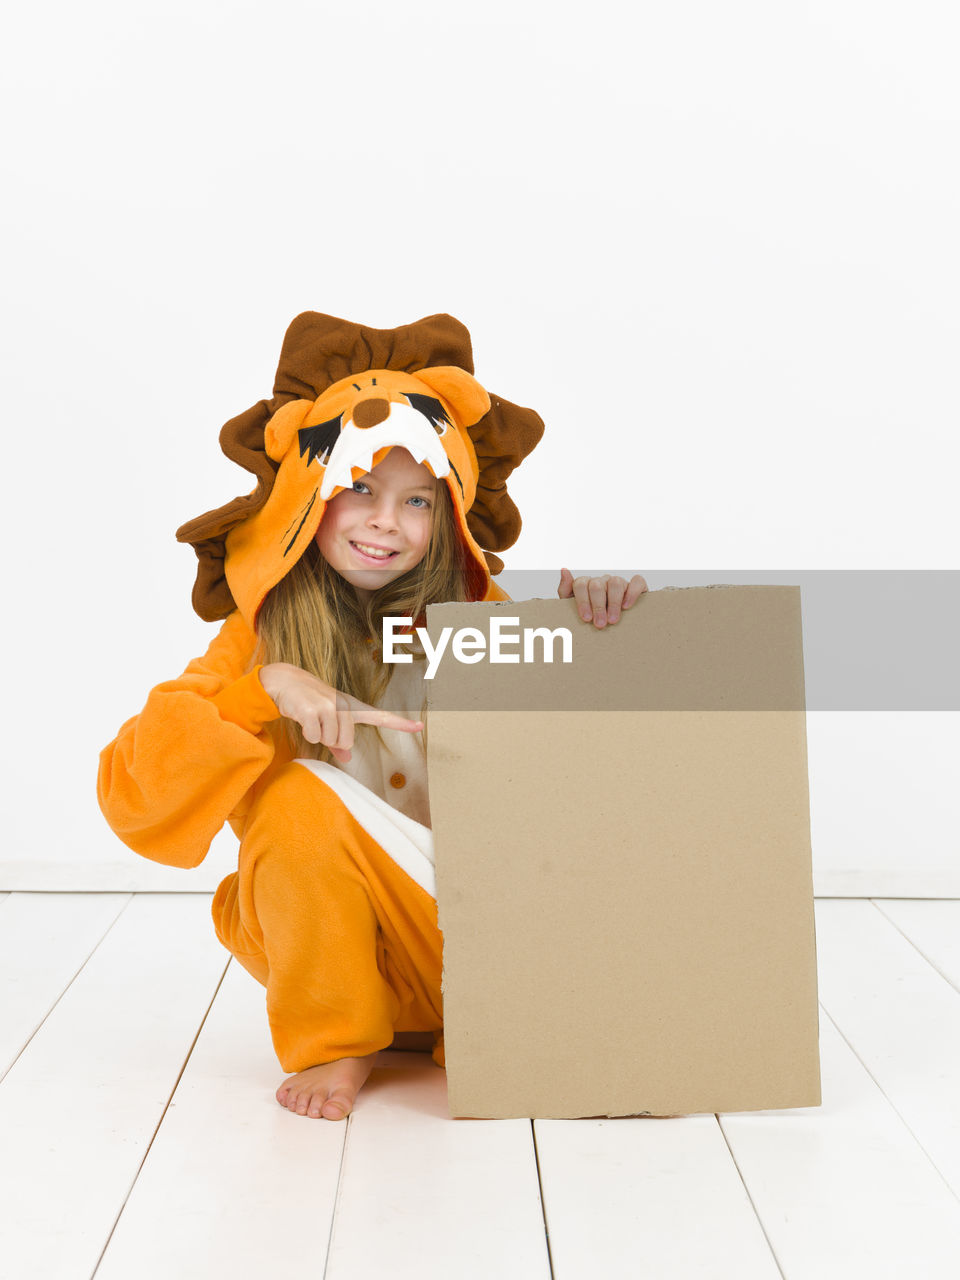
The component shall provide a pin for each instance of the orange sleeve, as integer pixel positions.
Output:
(179, 769)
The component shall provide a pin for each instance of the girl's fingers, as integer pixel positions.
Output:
(311, 726)
(387, 720)
(338, 731)
(602, 600)
(363, 713)
(635, 589)
(582, 599)
(615, 592)
(565, 589)
(330, 727)
(345, 727)
(597, 588)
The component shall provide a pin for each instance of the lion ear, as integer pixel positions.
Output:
(459, 388)
(280, 430)
(502, 435)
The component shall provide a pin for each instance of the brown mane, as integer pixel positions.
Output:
(319, 350)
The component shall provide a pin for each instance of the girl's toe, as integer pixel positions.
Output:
(336, 1107)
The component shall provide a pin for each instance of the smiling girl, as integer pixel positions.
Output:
(382, 467)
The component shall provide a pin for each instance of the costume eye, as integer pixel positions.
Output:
(318, 441)
(432, 410)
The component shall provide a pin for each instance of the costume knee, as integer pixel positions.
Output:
(345, 942)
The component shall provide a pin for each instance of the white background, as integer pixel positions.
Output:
(715, 246)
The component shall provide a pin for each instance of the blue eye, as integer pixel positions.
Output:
(423, 501)
(358, 486)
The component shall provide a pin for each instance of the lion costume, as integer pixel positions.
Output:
(332, 907)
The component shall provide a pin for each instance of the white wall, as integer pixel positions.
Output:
(714, 245)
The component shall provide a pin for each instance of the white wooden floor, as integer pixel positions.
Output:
(139, 1136)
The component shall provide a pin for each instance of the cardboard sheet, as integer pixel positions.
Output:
(623, 861)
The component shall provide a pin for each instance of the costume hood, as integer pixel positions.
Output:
(343, 396)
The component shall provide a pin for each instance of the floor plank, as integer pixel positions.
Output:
(45, 940)
(630, 1198)
(425, 1197)
(844, 1191)
(80, 1105)
(933, 926)
(234, 1185)
(251, 1187)
(901, 1018)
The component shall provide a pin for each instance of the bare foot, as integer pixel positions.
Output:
(326, 1091)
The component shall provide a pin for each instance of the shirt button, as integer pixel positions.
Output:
(397, 780)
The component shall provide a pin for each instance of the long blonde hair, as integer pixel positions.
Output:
(314, 619)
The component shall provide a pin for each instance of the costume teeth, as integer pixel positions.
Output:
(356, 447)
(341, 478)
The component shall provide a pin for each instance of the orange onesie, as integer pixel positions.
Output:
(332, 906)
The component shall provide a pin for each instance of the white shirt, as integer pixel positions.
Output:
(396, 770)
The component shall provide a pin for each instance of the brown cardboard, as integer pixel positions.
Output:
(624, 883)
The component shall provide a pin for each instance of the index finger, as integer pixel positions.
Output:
(363, 713)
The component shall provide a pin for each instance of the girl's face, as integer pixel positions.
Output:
(380, 528)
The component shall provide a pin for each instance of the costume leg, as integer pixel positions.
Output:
(345, 942)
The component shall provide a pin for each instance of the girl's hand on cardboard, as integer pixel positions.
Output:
(323, 713)
(601, 600)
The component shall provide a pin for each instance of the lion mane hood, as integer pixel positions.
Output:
(344, 395)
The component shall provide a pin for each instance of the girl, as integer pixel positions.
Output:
(382, 467)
